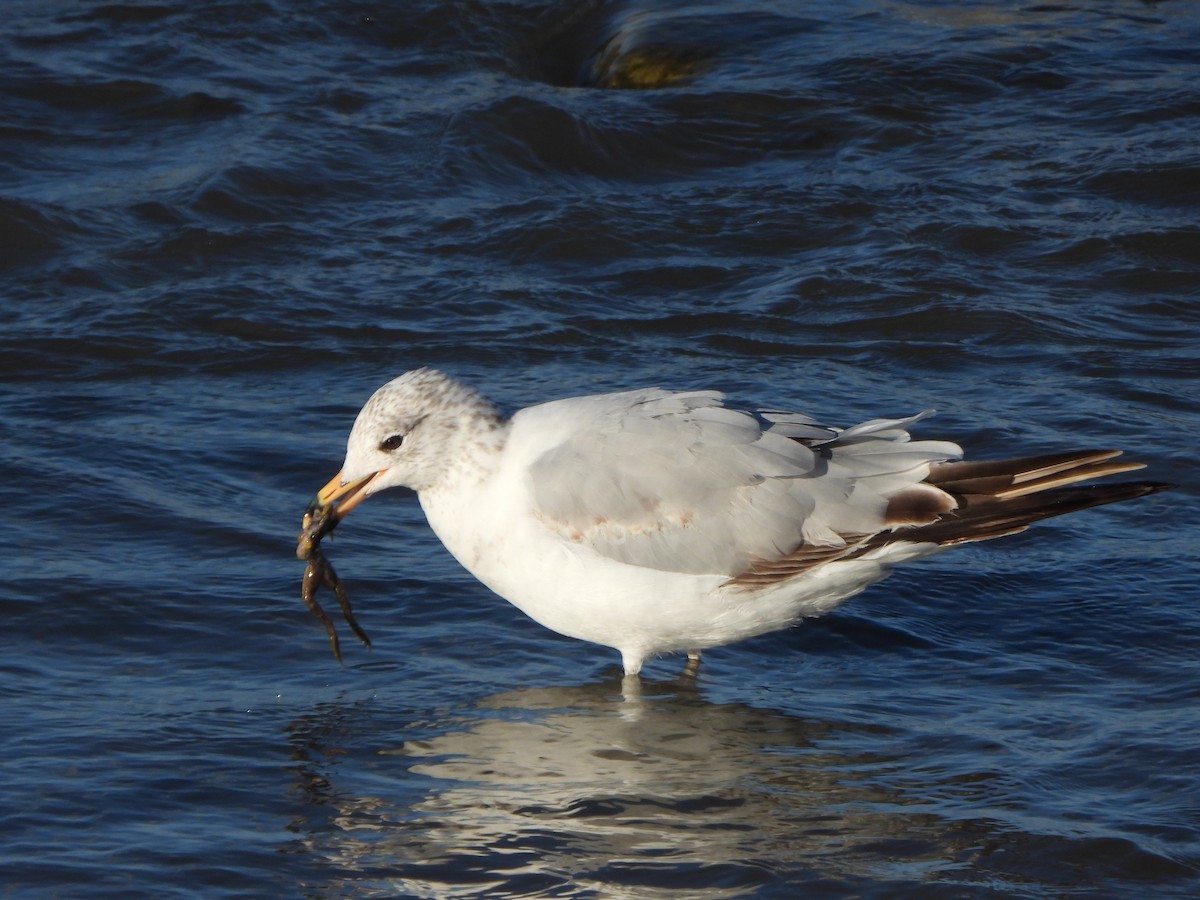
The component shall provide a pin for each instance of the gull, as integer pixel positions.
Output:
(657, 522)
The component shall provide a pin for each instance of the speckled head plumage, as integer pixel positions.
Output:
(405, 432)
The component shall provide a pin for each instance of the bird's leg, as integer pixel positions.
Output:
(693, 664)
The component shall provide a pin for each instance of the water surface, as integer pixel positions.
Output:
(222, 225)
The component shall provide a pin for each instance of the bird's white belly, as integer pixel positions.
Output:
(568, 587)
(640, 611)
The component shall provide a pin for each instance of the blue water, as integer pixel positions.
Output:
(222, 225)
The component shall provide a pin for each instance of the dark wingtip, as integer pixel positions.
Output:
(1004, 517)
(1143, 488)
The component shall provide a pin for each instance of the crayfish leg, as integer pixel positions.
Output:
(343, 596)
(317, 573)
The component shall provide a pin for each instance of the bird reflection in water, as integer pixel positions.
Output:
(625, 789)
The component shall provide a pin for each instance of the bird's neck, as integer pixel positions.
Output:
(474, 456)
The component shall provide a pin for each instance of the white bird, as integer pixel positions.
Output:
(658, 522)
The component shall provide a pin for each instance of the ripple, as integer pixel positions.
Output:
(225, 224)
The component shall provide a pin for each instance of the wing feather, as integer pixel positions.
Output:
(681, 482)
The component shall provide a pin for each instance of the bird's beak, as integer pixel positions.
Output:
(322, 516)
(351, 493)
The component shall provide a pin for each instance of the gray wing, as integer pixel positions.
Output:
(683, 483)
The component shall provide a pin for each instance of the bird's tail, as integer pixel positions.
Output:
(998, 497)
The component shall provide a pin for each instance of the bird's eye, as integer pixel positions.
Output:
(392, 443)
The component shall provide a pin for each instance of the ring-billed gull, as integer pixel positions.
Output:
(655, 522)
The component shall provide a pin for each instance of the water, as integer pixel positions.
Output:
(222, 225)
